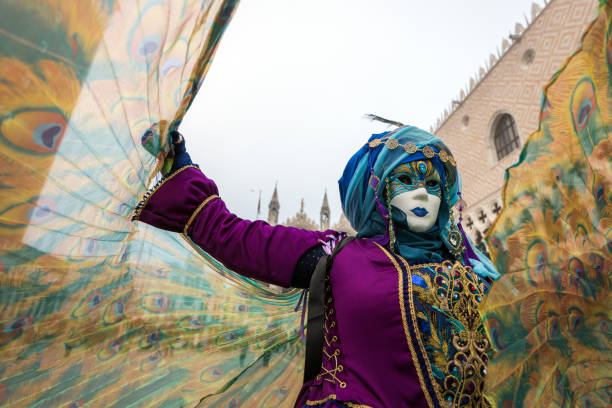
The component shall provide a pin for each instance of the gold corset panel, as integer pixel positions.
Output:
(440, 308)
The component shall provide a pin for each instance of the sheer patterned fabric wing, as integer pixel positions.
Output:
(96, 310)
(549, 315)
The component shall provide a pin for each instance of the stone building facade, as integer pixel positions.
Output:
(302, 220)
(488, 122)
(486, 125)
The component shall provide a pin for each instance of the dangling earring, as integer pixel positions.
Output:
(460, 205)
(455, 239)
(390, 219)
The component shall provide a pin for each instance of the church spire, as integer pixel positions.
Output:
(325, 213)
(273, 207)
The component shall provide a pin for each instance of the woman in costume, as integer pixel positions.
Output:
(401, 323)
(99, 311)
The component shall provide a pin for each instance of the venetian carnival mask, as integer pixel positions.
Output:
(415, 188)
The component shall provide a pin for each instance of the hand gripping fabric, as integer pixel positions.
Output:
(95, 310)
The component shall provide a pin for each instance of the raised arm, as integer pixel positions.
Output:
(188, 202)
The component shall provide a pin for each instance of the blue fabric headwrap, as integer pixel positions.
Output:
(359, 189)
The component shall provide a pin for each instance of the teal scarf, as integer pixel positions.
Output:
(416, 248)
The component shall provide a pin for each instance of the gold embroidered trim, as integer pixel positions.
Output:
(424, 265)
(331, 396)
(328, 311)
(419, 339)
(457, 292)
(197, 211)
(350, 404)
(147, 195)
(405, 322)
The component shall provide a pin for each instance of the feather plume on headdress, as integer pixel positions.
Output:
(383, 120)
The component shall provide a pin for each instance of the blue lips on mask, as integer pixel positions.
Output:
(419, 211)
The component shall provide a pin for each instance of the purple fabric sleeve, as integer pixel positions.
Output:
(252, 248)
(172, 202)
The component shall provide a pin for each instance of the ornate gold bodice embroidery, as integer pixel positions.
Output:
(446, 300)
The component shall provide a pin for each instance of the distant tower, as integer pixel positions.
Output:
(325, 213)
(273, 208)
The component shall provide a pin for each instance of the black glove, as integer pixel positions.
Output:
(181, 157)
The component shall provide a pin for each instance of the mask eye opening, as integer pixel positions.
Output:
(404, 178)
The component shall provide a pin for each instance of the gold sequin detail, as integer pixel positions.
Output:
(392, 144)
(428, 152)
(411, 148)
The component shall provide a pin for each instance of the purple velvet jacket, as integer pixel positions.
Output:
(368, 357)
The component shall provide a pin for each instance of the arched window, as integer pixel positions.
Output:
(505, 137)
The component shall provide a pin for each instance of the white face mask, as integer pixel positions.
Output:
(416, 190)
(420, 207)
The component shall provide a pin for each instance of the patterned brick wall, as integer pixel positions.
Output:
(515, 87)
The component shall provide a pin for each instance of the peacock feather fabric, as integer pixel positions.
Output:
(94, 309)
(549, 315)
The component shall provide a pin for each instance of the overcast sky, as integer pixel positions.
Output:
(285, 97)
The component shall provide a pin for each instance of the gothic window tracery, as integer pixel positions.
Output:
(505, 137)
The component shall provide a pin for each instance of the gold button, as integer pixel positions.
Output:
(392, 144)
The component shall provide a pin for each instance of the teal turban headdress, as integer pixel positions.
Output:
(362, 188)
